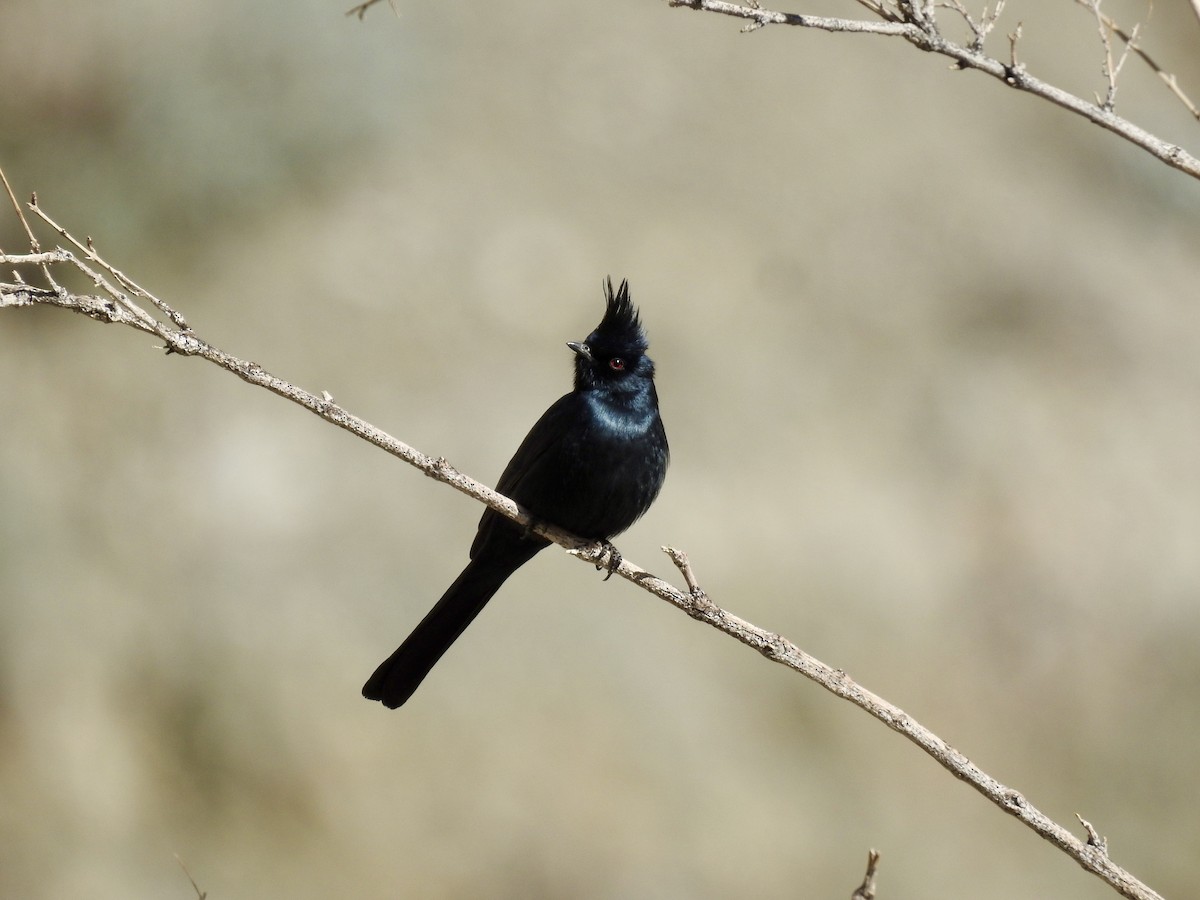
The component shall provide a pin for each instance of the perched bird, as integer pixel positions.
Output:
(592, 464)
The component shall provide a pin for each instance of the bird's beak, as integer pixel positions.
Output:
(581, 348)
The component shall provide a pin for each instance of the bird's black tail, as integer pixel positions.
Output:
(400, 674)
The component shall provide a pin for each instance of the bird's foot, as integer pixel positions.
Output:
(612, 559)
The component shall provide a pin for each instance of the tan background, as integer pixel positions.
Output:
(928, 356)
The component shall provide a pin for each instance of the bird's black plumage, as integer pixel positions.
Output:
(592, 464)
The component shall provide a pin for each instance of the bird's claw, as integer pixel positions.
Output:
(612, 559)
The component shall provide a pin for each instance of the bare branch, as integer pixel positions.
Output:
(89, 252)
(761, 17)
(916, 24)
(1092, 855)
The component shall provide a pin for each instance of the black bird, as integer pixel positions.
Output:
(592, 464)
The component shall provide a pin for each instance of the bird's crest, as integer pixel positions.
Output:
(621, 320)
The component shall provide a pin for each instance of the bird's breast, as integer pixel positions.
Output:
(618, 422)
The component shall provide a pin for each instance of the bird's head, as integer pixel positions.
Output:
(615, 353)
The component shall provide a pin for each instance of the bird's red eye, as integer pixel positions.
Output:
(616, 364)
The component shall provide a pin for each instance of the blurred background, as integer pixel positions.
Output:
(928, 361)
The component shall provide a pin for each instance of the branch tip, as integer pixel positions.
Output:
(866, 891)
(685, 568)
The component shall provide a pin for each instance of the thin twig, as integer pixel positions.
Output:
(981, 27)
(361, 9)
(1014, 66)
(33, 241)
(1130, 39)
(866, 890)
(695, 602)
(199, 893)
(1107, 67)
(685, 569)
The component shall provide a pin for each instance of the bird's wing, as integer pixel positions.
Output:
(547, 432)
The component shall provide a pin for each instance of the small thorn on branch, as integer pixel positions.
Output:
(1093, 837)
